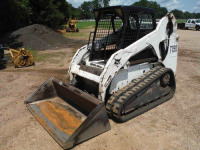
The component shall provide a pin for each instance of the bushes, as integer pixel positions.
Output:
(52, 13)
(19, 13)
(14, 14)
(46, 12)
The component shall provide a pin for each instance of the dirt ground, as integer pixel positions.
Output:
(172, 125)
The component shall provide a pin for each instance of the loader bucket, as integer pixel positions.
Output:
(70, 115)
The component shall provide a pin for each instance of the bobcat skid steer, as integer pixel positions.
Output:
(126, 69)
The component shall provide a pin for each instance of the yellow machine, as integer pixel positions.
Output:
(21, 57)
(71, 25)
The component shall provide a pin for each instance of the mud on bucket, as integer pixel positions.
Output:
(70, 115)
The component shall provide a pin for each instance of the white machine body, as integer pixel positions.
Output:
(118, 72)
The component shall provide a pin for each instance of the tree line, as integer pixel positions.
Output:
(15, 14)
(161, 11)
(85, 10)
(19, 13)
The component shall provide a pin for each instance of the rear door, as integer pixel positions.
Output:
(193, 24)
(187, 24)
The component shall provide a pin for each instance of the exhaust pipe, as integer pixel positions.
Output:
(70, 115)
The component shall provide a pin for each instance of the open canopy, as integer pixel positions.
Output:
(119, 26)
(123, 11)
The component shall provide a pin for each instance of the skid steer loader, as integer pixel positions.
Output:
(127, 69)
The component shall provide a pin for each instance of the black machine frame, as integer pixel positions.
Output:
(2, 58)
(119, 26)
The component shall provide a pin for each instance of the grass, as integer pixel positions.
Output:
(74, 34)
(86, 24)
(83, 25)
(81, 34)
(91, 24)
(33, 52)
(47, 57)
(77, 35)
(181, 20)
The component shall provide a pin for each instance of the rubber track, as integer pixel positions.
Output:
(117, 100)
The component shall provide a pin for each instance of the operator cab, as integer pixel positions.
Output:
(117, 27)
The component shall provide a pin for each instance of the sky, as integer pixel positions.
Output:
(184, 5)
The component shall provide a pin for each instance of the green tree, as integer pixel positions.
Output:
(63, 6)
(46, 12)
(97, 4)
(19, 13)
(187, 15)
(105, 3)
(87, 10)
(141, 3)
(14, 14)
(160, 11)
(101, 3)
(178, 14)
(197, 15)
(74, 12)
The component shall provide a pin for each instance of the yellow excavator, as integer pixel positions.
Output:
(21, 57)
(71, 25)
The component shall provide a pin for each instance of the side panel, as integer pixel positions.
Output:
(125, 76)
(171, 59)
(193, 24)
(77, 59)
(120, 58)
(187, 24)
(172, 55)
